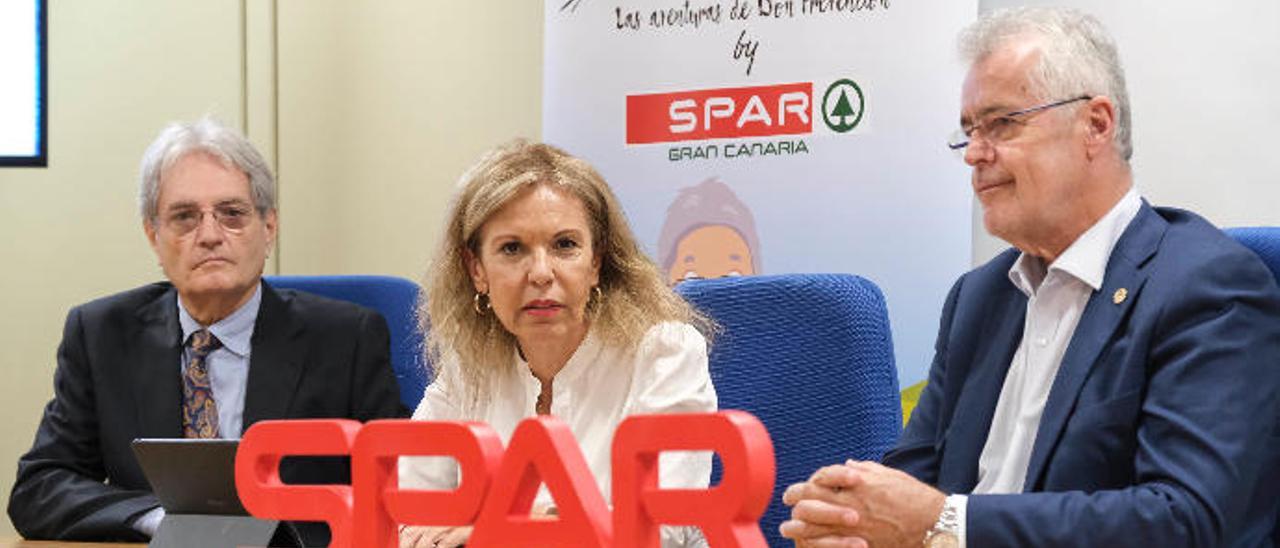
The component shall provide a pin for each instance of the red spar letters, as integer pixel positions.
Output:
(497, 488)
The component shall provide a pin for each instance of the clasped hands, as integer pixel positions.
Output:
(860, 504)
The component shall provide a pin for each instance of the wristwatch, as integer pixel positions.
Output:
(946, 531)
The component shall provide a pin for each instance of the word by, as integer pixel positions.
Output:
(746, 48)
(498, 487)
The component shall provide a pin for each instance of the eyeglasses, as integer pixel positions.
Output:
(232, 217)
(1000, 128)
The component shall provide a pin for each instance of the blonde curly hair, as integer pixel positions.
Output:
(633, 295)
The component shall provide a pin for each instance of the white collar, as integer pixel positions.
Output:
(1086, 258)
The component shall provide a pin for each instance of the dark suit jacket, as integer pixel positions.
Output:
(1161, 425)
(118, 378)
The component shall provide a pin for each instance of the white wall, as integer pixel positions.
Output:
(1203, 80)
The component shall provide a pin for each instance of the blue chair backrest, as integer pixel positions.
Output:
(1265, 241)
(811, 356)
(397, 300)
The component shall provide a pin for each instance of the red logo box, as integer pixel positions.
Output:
(724, 113)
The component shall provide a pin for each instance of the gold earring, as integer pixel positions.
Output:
(475, 303)
(599, 294)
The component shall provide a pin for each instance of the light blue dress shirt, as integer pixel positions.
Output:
(229, 364)
(228, 375)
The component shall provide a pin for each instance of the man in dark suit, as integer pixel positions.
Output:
(206, 354)
(1112, 381)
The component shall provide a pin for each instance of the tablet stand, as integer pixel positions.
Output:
(210, 531)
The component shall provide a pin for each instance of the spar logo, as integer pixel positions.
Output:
(741, 112)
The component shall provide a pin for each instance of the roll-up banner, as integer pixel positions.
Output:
(766, 137)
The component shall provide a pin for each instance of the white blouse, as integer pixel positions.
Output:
(596, 389)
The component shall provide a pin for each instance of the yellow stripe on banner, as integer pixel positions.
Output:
(910, 397)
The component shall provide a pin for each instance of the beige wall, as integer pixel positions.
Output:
(371, 109)
(382, 109)
(71, 232)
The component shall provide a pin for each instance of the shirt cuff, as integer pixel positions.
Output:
(149, 522)
(961, 505)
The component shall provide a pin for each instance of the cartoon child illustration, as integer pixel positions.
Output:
(709, 233)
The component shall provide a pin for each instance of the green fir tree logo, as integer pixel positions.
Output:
(842, 105)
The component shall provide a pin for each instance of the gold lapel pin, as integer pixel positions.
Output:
(1119, 296)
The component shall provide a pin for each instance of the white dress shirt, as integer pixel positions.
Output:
(1056, 298)
(599, 387)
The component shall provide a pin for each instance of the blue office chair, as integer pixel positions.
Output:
(397, 300)
(812, 357)
(1265, 241)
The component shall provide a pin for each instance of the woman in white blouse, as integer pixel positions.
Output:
(540, 301)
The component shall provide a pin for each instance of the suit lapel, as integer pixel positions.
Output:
(156, 366)
(275, 362)
(1102, 316)
(976, 403)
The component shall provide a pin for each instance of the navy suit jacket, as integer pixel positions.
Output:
(118, 379)
(1161, 427)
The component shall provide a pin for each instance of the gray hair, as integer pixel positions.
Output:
(1077, 57)
(209, 136)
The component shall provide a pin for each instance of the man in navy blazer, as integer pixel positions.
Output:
(124, 364)
(1112, 381)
